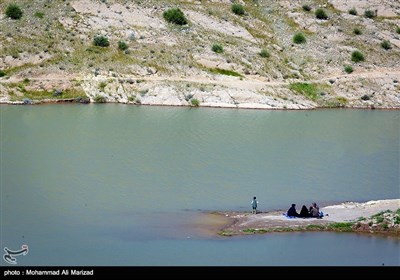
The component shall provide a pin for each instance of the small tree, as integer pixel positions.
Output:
(13, 11)
(237, 9)
(2, 73)
(176, 16)
(357, 56)
(398, 30)
(217, 48)
(320, 14)
(299, 38)
(101, 41)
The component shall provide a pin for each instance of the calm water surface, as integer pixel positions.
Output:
(121, 185)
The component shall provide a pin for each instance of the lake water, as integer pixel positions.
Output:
(114, 184)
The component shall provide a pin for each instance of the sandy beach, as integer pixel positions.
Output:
(353, 216)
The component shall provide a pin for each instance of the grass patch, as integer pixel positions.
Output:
(43, 94)
(315, 227)
(217, 48)
(226, 72)
(346, 226)
(311, 91)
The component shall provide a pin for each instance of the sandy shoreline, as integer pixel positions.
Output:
(228, 223)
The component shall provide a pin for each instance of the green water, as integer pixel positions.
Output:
(116, 184)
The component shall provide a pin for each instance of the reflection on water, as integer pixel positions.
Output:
(137, 179)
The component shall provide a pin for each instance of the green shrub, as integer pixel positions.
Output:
(348, 69)
(357, 31)
(320, 14)
(369, 14)
(357, 56)
(39, 14)
(353, 11)
(365, 97)
(176, 16)
(101, 41)
(100, 99)
(2, 73)
(306, 7)
(217, 48)
(13, 11)
(398, 30)
(386, 45)
(194, 102)
(299, 38)
(122, 45)
(237, 9)
(264, 53)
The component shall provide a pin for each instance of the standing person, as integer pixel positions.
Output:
(291, 212)
(254, 204)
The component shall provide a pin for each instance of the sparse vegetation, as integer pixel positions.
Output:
(2, 73)
(321, 14)
(39, 14)
(357, 56)
(353, 11)
(217, 48)
(348, 69)
(306, 89)
(13, 11)
(176, 16)
(226, 72)
(386, 45)
(299, 38)
(101, 41)
(237, 9)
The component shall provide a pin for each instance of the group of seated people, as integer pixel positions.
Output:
(311, 212)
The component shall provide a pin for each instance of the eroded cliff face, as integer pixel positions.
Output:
(274, 55)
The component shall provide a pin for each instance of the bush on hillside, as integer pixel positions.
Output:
(176, 16)
(101, 41)
(299, 38)
(237, 9)
(320, 14)
(13, 11)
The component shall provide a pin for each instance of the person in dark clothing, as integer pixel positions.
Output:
(292, 211)
(304, 212)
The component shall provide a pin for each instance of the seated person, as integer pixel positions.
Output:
(304, 212)
(314, 213)
(291, 212)
(313, 205)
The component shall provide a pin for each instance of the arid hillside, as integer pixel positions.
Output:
(241, 54)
